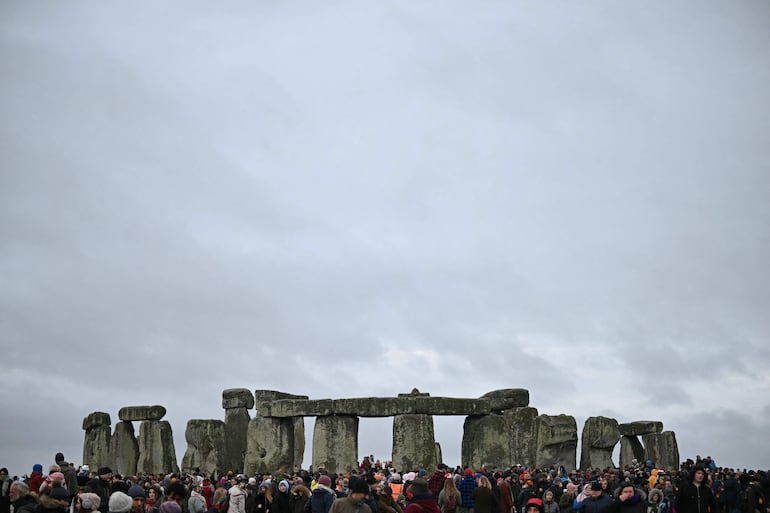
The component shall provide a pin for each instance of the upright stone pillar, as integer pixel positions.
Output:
(486, 441)
(124, 449)
(523, 435)
(96, 445)
(414, 442)
(335, 443)
(269, 445)
(556, 441)
(600, 435)
(266, 396)
(205, 446)
(630, 449)
(237, 402)
(156, 448)
(662, 449)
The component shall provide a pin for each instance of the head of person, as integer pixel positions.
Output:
(175, 492)
(88, 502)
(18, 490)
(534, 505)
(120, 502)
(548, 496)
(325, 480)
(419, 487)
(105, 473)
(698, 475)
(61, 495)
(359, 490)
(595, 489)
(626, 491)
(138, 495)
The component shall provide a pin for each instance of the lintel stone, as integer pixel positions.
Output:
(96, 419)
(129, 413)
(237, 398)
(640, 427)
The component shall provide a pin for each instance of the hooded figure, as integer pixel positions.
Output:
(322, 497)
(628, 499)
(282, 500)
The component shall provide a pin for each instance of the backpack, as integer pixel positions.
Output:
(450, 506)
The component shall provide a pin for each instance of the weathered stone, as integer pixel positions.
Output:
(505, 399)
(124, 449)
(414, 442)
(415, 393)
(439, 456)
(630, 449)
(374, 407)
(299, 440)
(96, 419)
(486, 441)
(205, 446)
(335, 443)
(556, 441)
(156, 448)
(269, 445)
(640, 427)
(96, 445)
(523, 435)
(600, 435)
(140, 413)
(237, 398)
(662, 449)
(296, 408)
(264, 396)
(236, 429)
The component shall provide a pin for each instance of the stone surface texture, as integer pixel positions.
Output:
(599, 438)
(335, 443)
(205, 446)
(414, 442)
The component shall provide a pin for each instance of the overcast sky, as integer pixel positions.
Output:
(350, 199)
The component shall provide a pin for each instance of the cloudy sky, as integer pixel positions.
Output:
(351, 199)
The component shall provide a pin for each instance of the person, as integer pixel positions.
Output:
(422, 498)
(119, 502)
(237, 495)
(436, 481)
(152, 502)
(87, 502)
(101, 485)
(483, 498)
(449, 498)
(21, 498)
(730, 489)
(549, 503)
(300, 495)
(56, 500)
(138, 496)
(568, 498)
(533, 505)
(628, 499)
(596, 501)
(175, 492)
(466, 487)
(196, 503)
(322, 497)
(355, 501)
(654, 500)
(282, 500)
(36, 478)
(695, 496)
(385, 501)
(70, 474)
(506, 494)
(396, 486)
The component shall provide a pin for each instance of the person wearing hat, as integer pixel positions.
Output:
(422, 498)
(36, 478)
(56, 500)
(466, 487)
(238, 495)
(101, 485)
(119, 502)
(355, 502)
(87, 502)
(595, 502)
(322, 496)
(138, 496)
(533, 505)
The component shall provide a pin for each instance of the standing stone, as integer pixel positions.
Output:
(156, 448)
(662, 449)
(630, 449)
(205, 446)
(523, 435)
(269, 445)
(299, 440)
(335, 443)
(236, 402)
(556, 441)
(600, 435)
(96, 444)
(124, 449)
(414, 442)
(439, 456)
(486, 441)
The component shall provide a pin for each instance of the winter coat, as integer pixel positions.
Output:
(281, 501)
(423, 503)
(636, 504)
(321, 500)
(483, 499)
(591, 505)
(70, 477)
(695, 499)
(348, 505)
(196, 503)
(35, 480)
(237, 500)
(25, 504)
(49, 505)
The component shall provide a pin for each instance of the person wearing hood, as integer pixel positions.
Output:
(695, 495)
(57, 500)
(300, 495)
(282, 500)
(628, 499)
(549, 503)
(237, 496)
(21, 498)
(36, 478)
(355, 502)
(422, 498)
(322, 497)
(595, 501)
(654, 500)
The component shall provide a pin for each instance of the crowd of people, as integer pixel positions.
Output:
(697, 486)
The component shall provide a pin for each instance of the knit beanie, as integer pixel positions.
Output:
(120, 502)
(89, 501)
(325, 480)
(170, 507)
(137, 491)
